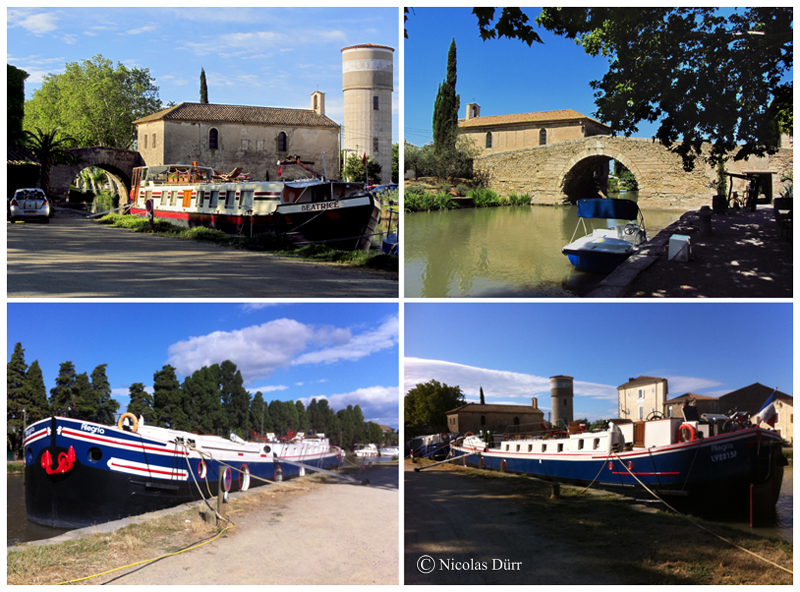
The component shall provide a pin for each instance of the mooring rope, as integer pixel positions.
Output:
(700, 525)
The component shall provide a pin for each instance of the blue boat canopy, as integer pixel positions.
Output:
(622, 209)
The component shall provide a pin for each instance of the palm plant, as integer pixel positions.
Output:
(49, 150)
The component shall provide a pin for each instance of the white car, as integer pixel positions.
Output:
(29, 204)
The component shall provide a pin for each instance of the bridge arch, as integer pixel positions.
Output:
(118, 164)
(577, 176)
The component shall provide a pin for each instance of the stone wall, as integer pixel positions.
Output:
(557, 173)
(118, 164)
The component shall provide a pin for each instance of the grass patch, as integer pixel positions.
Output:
(15, 466)
(427, 202)
(272, 242)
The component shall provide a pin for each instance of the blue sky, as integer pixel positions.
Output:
(272, 57)
(512, 350)
(346, 353)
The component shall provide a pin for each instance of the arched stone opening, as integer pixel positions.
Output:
(586, 174)
(118, 165)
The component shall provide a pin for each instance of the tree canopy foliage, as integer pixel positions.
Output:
(94, 102)
(703, 74)
(212, 400)
(429, 402)
(354, 169)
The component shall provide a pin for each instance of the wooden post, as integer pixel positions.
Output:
(222, 505)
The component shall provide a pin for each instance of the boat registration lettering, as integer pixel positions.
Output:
(722, 452)
(92, 429)
(330, 205)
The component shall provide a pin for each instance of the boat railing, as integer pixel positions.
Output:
(534, 430)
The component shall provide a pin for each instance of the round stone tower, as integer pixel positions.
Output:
(561, 394)
(367, 82)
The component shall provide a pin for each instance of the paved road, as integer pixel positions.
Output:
(73, 257)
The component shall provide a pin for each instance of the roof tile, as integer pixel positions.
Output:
(240, 114)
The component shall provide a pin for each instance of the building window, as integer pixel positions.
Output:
(489, 139)
(154, 140)
(374, 144)
(516, 421)
(145, 141)
(213, 139)
(542, 137)
(641, 393)
(641, 413)
(483, 420)
(261, 145)
(245, 144)
(282, 142)
(375, 103)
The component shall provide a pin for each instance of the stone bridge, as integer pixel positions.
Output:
(118, 164)
(566, 171)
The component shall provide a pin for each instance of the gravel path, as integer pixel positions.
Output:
(339, 533)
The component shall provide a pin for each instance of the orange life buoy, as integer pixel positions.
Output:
(687, 432)
(128, 415)
(445, 437)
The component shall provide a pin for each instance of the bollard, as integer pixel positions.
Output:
(704, 221)
(222, 504)
(556, 491)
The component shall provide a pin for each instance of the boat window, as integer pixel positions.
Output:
(213, 139)
(508, 447)
(517, 447)
(212, 202)
(173, 197)
(530, 447)
(488, 139)
(542, 137)
(200, 196)
(246, 201)
(580, 444)
(163, 198)
(230, 196)
(596, 443)
(561, 447)
(282, 142)
(544, 447)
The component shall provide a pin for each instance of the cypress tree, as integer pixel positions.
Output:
(62, 395)
(203, 87)
(445, 109)
(16, 370)
(259, 414)
(483, 401)
(106, 406)
(84, 399)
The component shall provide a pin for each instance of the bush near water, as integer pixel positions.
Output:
(419, 198)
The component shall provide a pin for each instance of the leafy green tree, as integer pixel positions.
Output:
(84, 403)
(259, 414)
(428, 403)
(141, 403)
(203, 87)
(15, 100)
(354, 169)
(235, 398)
(168, 400)
(16, 370)
(201, 401)
(395, 162)
(106, 406)
(62, 395)
(49, 149)
(445, 109)
(94, 102)
(303, 424)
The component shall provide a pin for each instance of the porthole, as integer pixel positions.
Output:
(95, 454)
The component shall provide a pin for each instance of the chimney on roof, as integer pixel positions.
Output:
(534, 402)
(631, 379)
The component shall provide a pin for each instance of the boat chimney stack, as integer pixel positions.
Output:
(562, 395)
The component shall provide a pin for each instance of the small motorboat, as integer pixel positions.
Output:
(601, 250)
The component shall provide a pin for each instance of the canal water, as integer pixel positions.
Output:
(499, 252)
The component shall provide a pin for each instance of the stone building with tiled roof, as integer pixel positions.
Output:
(751, 399)
(474, 417)
(642, 396)
(255, 138)
(703, 403)
(502, 133)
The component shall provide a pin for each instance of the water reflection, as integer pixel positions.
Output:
(498, 252)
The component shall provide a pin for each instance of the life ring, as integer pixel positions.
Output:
(687, 433)
(129, 415)
(202, 469)
(445, 437)
(468, 434)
